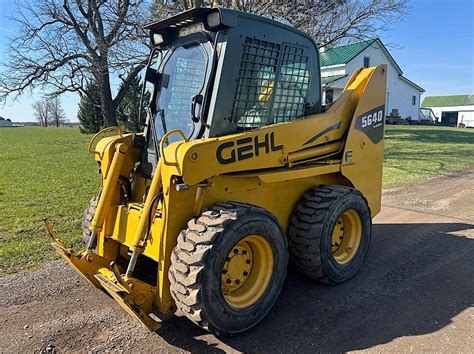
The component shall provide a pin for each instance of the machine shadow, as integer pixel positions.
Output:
(414, 281)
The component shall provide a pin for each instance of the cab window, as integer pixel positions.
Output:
(272, 85)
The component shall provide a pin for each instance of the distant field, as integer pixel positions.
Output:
(48, 172)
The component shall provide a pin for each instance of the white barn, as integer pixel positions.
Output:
(455, 110)
(338, 63)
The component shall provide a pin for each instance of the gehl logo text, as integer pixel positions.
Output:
(246, 148)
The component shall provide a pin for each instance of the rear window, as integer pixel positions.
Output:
(272, 85)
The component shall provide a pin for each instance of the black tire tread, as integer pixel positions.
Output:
(89, 213)
(188, 257)
(303, 243)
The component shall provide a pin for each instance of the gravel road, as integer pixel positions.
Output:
(414, 293)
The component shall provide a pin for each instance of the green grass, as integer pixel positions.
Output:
(44, 172)
(48, 172)
(415, 153)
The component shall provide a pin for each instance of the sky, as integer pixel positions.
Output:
(433, 45)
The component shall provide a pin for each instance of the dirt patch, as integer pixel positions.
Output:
(414, 293)
(451, 196)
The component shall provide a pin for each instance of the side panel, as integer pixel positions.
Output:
(362, 161)
(280, 198)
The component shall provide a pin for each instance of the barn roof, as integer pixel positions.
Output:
(446, 101)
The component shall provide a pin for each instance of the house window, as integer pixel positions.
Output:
(366, 62)
(413, 100)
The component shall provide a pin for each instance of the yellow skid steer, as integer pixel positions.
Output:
(240, 169)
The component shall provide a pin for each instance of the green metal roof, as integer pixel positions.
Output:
(344, 53)
(330, 79)
(443, 101)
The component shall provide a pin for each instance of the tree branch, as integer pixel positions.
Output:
(126, 83)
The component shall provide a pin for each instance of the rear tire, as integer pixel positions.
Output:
(329, 234)
(89, 213)
(228, 267)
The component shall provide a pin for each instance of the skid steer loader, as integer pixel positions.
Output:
(240, 168)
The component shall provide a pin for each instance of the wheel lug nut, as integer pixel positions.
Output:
(224, 271)
(236, 250)
(228, 281)
(237, 281)
(247, 261)
(245, 274)
(244, 252)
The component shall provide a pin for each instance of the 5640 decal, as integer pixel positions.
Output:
(372, 123)
(372, 119)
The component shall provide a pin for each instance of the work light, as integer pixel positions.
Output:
(157, 38)
(214, 19)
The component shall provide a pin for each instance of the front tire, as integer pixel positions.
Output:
(329, 234)
(228, 267)
(89, 213)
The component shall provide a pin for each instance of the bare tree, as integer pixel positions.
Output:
(336, 21)
(56, 112)
(41, 111)
(329, 22)
(63, 43)
(162, 9)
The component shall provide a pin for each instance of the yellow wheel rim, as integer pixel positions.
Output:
(247, 271)
(346, 236)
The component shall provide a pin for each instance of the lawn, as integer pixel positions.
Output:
(415, 153)
(48, 172)
(44, 172)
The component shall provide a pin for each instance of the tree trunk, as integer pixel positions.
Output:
(108, 109)
(106, 100)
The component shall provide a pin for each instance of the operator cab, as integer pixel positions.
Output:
(223, 71)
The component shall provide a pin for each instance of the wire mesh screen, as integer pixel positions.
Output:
(183, 77)
(293, 84)
(251, 105)
(185, 82)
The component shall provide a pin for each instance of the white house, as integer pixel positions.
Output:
(338, 63)
(456, 110)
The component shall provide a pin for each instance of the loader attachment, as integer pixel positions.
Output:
(106, 276)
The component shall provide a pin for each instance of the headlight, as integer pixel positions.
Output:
(157, 38)
(214, 19)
